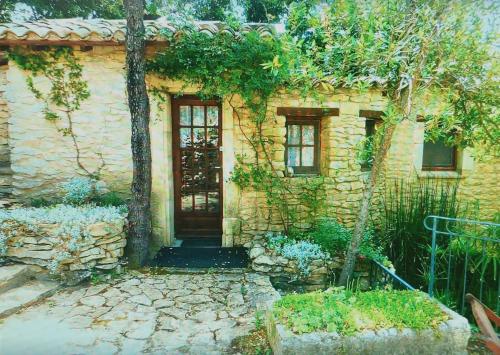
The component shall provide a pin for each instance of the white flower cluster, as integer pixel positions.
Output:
(72, 220)
(303, 251)
(78, 190)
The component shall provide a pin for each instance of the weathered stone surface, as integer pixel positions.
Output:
(447, 339)
(141, 299)
(47, 247)
(93, 301)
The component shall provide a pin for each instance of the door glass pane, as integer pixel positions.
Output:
(198, 137)
(186, 159)
(200, 202)
(199, 157)
(213, 159)
(293, 134)
(293, 156)
(213, 180)
(198, 115)
(185, 113)
(199, 181)
(212, 137)
(308, 135)
(212, 116)
(185, 137)
(213, 202)
(187, 203)
(187, 183)
(307, 156)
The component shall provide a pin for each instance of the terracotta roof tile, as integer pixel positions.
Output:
(98, 30)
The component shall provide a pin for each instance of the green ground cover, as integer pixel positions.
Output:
(347, 312)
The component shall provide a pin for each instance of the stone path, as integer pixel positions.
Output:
(141, 313)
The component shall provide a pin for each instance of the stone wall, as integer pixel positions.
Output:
(286, 276)
(41, 157)
(5, 171)
(99, 248)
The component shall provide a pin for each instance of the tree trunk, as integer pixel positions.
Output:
(362, 218)
(139, 207)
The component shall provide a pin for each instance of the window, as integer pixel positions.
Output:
(439, 156)
(367, 154)
(302, 145)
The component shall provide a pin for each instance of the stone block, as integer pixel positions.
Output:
(449, 338)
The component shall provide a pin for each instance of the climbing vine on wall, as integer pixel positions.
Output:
(251, 68)
(65, 94)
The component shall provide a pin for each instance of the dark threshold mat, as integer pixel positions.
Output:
(201, 243)
(201, 257)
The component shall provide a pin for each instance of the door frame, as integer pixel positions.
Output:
(176, 102)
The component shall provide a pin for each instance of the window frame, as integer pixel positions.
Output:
(305, 121)
(452, 167)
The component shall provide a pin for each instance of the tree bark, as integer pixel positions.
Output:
(139, 207)
(362, 218)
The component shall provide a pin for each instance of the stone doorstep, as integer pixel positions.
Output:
(12, 276)
(450, 338)
(25, 295)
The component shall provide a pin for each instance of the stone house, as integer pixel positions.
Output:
(311, 138)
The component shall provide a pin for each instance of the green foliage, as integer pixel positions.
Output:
(440, 52)
(109, 199)
(108, 9)
(345, 312)
(40, 202)
(402, 233)
(334, 238)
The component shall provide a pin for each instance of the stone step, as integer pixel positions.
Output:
(12, 276)
(25, 295)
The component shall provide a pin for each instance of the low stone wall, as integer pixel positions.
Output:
(285, 274)
(100, 247)
(450, 337)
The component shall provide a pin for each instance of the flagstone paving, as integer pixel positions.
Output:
(195, 313)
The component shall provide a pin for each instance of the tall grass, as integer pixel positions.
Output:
(405, 205)
(407, 243)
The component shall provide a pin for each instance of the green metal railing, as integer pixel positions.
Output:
(465, 258)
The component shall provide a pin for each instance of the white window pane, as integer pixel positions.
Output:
(308, 156)
(308, 135)
(293, 156)
(293, 134)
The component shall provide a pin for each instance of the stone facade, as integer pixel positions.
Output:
(40, 157)
(43, 245)
(285, 275)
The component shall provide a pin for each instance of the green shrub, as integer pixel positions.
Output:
(40, 202)
(334, 238)
(109, 199)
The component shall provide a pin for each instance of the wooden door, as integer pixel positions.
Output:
(197, 137)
